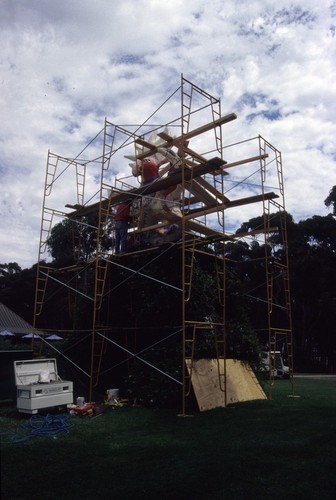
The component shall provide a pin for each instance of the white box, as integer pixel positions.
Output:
(39, 386)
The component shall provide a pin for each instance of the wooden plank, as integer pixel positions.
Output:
(241, 382)
(209, 187)
(200, 193)
(173, 179)
(209, 126)
(166, 137)
(246, 160)
(201, 228)
(236, 203)
(159, 225)
(190, 225)
(186, 150)
(159, 185)
(252, 199)
(239, 162)
(253, 232)
(191, 134)
(144, 143)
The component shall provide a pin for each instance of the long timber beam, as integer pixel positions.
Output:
(247, 160)
(161, 184)
(229, 204)
(201, 228)
(152, 149)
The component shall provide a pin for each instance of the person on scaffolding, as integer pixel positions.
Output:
(122, 220)
(149, 169)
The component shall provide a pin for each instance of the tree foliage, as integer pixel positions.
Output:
(144, 299)
(74, 240)
(17, 289)
(331, 200)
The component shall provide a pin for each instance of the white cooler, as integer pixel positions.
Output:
(39, 386)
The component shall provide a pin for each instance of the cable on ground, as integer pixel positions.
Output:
(38, 426)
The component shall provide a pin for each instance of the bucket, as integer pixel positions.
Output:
(80, 401)
(112, 396)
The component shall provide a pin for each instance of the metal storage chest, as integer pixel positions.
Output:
(39, 386)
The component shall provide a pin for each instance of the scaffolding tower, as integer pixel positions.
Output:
(194, 194)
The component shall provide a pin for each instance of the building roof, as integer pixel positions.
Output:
(12, 322)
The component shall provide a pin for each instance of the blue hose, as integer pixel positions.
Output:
(38, 426)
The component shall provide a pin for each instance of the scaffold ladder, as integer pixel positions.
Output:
(80, 178)
(52, 164)
(216, 114)
(186, 102)
(47, 220)
(220, 344)
(108, 143)
(40, 290)
(189, 269)
(220, 278)
(190, 337)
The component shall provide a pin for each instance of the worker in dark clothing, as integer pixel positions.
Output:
(122, 219)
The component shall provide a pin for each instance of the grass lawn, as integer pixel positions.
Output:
(279, 449)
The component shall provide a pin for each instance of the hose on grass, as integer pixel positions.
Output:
(38, 426)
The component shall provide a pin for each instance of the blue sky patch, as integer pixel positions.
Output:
(268, 114)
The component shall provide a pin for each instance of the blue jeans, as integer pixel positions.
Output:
(121, 228)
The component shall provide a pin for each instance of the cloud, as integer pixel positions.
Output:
(65, 66)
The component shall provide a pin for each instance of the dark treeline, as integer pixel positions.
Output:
(312, 264)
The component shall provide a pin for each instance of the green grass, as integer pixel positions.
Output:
(279, 449)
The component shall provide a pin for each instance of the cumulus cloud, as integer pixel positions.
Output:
(65, 66)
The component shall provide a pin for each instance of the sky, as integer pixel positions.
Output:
(65, 66)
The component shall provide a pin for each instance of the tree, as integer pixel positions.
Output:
(313, 276)
(331, 200)
(61, 243)
(9, 269)
(312, 271)
(73, 240)
(17, 287)
(319, 232)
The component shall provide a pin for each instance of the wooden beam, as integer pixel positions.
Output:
(189, 224)
(253, 232)
(159, 185)
(209, 126)
(189, 135)
(166, 137)
(252, 199)
(202, 228)
(175, 178)
(209, 187)
(146, 144)
(235, 203)
(200, 193)
(246, 160)
(186, 150)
